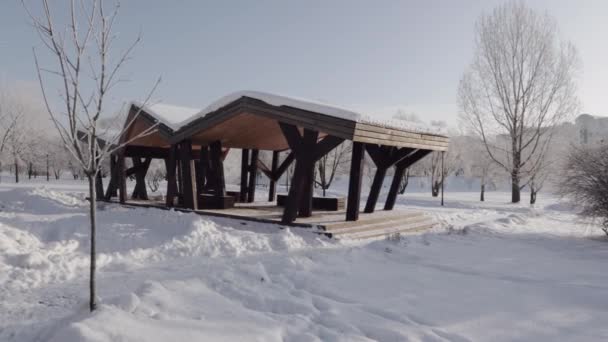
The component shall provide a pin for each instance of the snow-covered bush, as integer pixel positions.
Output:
(585, 181)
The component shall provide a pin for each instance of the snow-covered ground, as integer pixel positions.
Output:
(490, 271)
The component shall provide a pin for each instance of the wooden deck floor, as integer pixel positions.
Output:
(328, 222)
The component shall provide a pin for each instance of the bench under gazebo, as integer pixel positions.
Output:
(194, 144)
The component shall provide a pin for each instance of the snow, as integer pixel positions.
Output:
(491, 271)
(177, 117)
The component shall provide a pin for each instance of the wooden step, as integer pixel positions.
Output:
(375, 226)
(387, 232)
(365, 221)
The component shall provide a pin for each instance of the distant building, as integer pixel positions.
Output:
(591, 129)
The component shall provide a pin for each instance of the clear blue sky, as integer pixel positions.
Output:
(370, 55)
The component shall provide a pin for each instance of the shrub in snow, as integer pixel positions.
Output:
(585, 181)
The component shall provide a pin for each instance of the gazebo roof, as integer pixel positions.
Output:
(250, 119)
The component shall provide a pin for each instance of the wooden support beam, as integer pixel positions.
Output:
(272, 185)
(218, 166)
(354, 182)
(188, 178)
(139, 191)
(400, 168)
(244, 173)
(327, 144)
(304, 149)
(384, 157)
(206, 166)
(122, 179)
(170, 164)
(284, 165)
(253, 167)
(112, 190)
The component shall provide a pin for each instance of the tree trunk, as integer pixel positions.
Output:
(435, 187)
(532, 196)
(48, 174)
(483, 193)
(93, 219)
(515, 190)
(16, 171)
(324, 188)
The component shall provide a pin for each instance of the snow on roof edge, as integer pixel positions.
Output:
(164, 112)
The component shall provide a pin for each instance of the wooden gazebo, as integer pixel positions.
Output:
(193, 145)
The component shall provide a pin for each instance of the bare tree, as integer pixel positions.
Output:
(330, 164)
(81, 50)
(584, 180)
(433, 168)
(10, 116)
(519, 86)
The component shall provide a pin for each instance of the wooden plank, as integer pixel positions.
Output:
(400, 144)
(363, 126)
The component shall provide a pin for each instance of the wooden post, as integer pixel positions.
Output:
(374, 191)
(113, 183)
(442, 176)
(305, 153)
(122, 178)
(188, 178)
(218, 165)
(141, 168)
(170, 164)
(384, 157)
(272, 185)
(399, 172)
(253, 168)
(354, 182)
(244, 173)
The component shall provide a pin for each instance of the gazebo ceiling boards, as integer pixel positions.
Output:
(194, 143)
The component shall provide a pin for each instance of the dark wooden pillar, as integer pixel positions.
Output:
(400, 168)
(384, 157)
(141, 168)
(206, 168)
(113, 183)
(272, 185)
(354, 182)
(374, 191)
(307, 150)
(170, 164)
(253, 170)
(394, 190)
(218, 167)
(122, 178)
(188, 178)
(244, 173)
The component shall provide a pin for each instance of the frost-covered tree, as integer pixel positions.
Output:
(79, 44)
(332, 164)
(584, 180)
(519, 86)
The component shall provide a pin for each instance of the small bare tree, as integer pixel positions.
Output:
(81, 50)
(434, 171)
(10, 116)
(519, 86)
(584, 179)
(330, 164)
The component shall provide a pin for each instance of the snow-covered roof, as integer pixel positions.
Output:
(176, 117)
